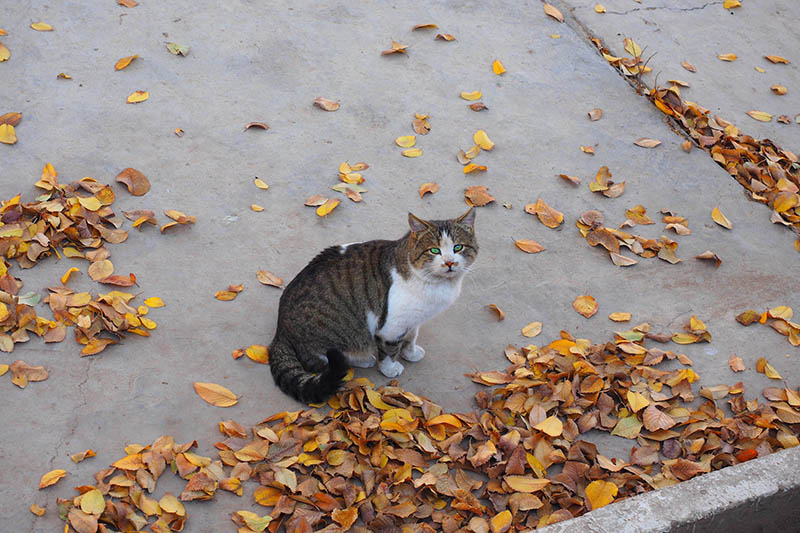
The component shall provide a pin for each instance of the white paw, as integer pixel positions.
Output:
(414, 353)
(389, 368)
(362, 362)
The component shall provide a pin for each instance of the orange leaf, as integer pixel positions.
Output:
(216, 395)
(51, 478)
(124, 62)
(327, 105)
(258, 353)
(137, 183)
(600, 493)
(585, 305)
(430, 187)
(529, 246)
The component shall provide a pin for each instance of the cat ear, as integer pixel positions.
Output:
(468, 218)
(416, 224)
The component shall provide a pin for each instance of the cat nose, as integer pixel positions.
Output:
(450, 264)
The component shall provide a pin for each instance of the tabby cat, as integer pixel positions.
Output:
(358, 303)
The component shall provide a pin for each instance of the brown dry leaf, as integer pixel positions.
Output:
(421, 126)
(779, 89)
(345, 517)
(615, 190)
(137, 97)
(727, 57)
(529, 246)
(761, 116)
(687, 146)
(736, 363)
(532, 329)
(595, 114)
(572, 179)
(258, 353)
(326, 208)
(124, 62)
(397, 48)
(646, 143)
(13, 118)
(258, 125)
(497, 67)
(128, 3)
(216, 395)
(680, 83)
(600, 493)
(548, 216)
(587, 150)
(268, 278)
(225, 296)
(777, 59)
(638, 214)
(51, 478)
(585, 305)
(478, 196)
(78, 457)
(553, 12)
(478, 106)
(721, 219)
(763, 367)
(688, 66)
(430, 187)
(654, 419)
(316, 200)
(497, 311)
(35, 509)
(325, 104)
(137, 183)
(427, 26)
(552, 426)
(708, 255)
(445, 37)
(101, 269)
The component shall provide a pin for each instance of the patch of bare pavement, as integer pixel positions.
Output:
(558, 394)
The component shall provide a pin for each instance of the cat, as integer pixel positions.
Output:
(359, 303)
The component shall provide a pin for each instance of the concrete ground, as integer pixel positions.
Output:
(251, 61)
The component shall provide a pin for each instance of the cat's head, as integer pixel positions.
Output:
(442, 249)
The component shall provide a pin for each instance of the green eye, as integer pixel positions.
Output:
(458, 247)
(435, 251)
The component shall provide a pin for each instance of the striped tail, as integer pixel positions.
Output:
(304, 386)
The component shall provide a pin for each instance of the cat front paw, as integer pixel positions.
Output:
(414, 353)
(389, 368)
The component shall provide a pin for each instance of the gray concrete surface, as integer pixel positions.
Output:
(254, 61)
(697, 31)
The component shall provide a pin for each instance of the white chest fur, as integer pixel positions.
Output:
(413, 302)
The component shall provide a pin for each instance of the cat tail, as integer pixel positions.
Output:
(302, 385)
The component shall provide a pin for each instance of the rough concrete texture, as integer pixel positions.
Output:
(740, 498)
(698, 31)
(253, 61)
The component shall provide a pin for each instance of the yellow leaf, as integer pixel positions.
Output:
(474, 95)
(779, 89)
(684, 338)
(149, 324)
(412, 152)
(170, 504)
(532, 329)
(482, 140)
(727, 57)
(585, 305)
(620, 317)
(257, 208)
(761, 116)
(637, 401)
(632, 48)
(326, 208)
(92, 502)
(777, 59)
(68, 273)
(7, 133)
(406, 141)
(5, 53)
(600, 493)
(729, 4)
(553, 12)
(51, 478)
(526, 483)
(267, 496)
(260, 184)
(3, 369)
(124, 62)
(101, 269)
(41, 26)
(497, 67)
(599, 8)
(720, 219)
(138, 96)
(35, 509)
(258, 353)
(375, 399)
(472, 167)
(781, 311)
(253, 521)
(154, 301)
(551, 426)
(92, 203)
(216, 395)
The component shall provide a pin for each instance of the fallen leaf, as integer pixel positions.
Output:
(445, 37)
(477, 196)
(552, 426)
(472, 167)
(216, 395)
(636, 401)
(708, 255)
(687, 146)
(654, 419)
(101, 269)
(128, 3)
(730, 4)
(736, 363)
(258, 353)
(779, 89)
(571, 179)
(35, 509)
(777, 59)
(62, 76)
(600, 493)
(497, 311)
(92, 502)
(268, 278)
(760, 116)
(327, 207)
(154, 302)
(397, 48)
(78, 457)
(51, 478)
(427, 26)
(225, 296)
(421, 125)
(721, 219)
(763, 367)
(587, 150)
(5, 53)
(257, 208)
(41, 26)
(178, 49)
(406, 141)
(548, 216)
(631, 47)
(412, 152)
(316, 200)
(178, 132)
(553, 12)
(529, 246)
(258, 125)
(258, 182)
(501, 522)
(599, 8)
(474, 95)
(124, 62)
(595, 114)
(327, 105)
(646, 143)
(138, 96)
(620, 317)
(137, 183)
(585, 305)
(727, 57)
(532, 329)
(497, 67)
(430, 187)
(68, 273)
(7, 133)
(13, 118)
(482, 140)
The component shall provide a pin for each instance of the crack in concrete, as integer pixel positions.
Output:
(666, 8)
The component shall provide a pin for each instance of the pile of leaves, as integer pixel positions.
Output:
(391, 458)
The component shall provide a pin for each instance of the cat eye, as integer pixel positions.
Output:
(458, 247)
(435, 251)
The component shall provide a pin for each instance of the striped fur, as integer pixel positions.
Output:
(362, 303)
